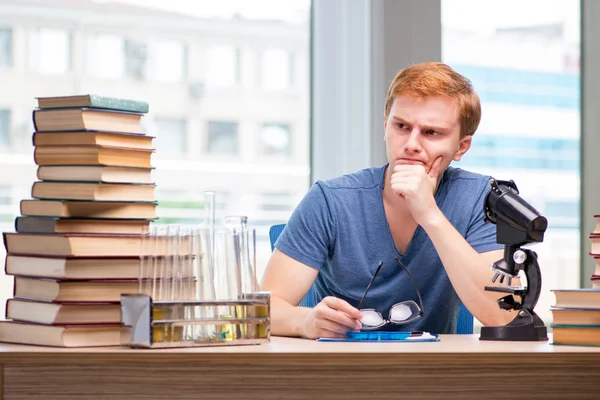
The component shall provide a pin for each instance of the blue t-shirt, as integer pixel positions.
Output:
(340, 229)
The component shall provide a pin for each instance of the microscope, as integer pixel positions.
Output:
(518, 224)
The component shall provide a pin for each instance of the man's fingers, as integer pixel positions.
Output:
(330, 326)
(343, 306)
(324, 313)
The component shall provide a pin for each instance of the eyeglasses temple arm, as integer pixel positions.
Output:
(370, 284)
(414, 283)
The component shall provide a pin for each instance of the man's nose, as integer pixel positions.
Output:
(413, 144)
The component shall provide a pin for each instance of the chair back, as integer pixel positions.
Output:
(464, 324)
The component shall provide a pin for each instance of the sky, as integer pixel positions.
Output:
(487, 15)
(475, 15)
(252, 9)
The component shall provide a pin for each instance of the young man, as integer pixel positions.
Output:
(415, 209)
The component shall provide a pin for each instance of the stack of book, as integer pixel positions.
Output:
(576, 313)
(77, 244)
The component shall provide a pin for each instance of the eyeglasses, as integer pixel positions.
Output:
(400, 313)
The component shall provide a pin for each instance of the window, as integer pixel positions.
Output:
(6, 47)
(524, 66)
(276, 69)
(5, 196)
(223, 65)
(170, 134)
(223, 137)
(106, 55)
(276, 140)
(136, 59)
(167, 61)
(5, 128)
(185, 59)
(50, 51)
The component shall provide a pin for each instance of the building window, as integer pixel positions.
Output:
(275, 139)
(167, 61)
(136, 59)
(531, 116)
(276, 69)
(223, 137)
(50, 51)
(6, 47)
(4, 128)
(170, 136)
(106, 56)
(223, 65)
(5, 196)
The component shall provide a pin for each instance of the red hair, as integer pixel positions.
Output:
(437, 79)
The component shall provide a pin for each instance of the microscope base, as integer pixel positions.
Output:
(520, 329)
(513, 333)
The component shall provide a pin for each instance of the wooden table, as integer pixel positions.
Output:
(459, 366)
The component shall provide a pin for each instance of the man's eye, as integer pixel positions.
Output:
(431, 132)
(400, 125)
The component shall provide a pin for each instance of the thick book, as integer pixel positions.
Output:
(79, 138)
(90, 291)
(25, 224)
(93, 155)
(93, 101)
(60, 335)
(71, 119)
(92, 191)
(63, 314)
(89, 245)
(73, 245)
(581, 335)
(88, 209)
(54, 290)
(72, 268)
(577, 298)
(95, 173)
(575, 316)
(595, 239)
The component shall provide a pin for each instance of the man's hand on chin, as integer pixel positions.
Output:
(417, 186)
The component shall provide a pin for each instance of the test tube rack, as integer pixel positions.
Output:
(170, 324)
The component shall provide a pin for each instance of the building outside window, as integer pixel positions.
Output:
(105, 55)
(6, 47)
(222, 65)
(50, 51)
(223, 137)
(276, 139)
(167, 60)
(276, 69)
(136, 59)
(5, 128)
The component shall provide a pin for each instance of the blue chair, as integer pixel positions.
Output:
(464, 324)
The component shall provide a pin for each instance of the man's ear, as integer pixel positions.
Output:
(463, 146)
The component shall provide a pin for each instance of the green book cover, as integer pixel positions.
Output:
(94, 101)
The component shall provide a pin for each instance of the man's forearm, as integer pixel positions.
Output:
(468, 270)
(286, 319)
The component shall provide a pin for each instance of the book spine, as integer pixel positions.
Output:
(33, 119)
(118, 104)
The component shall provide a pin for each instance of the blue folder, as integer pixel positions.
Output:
(384, 336)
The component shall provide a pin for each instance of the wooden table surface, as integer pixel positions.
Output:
(459, 366)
